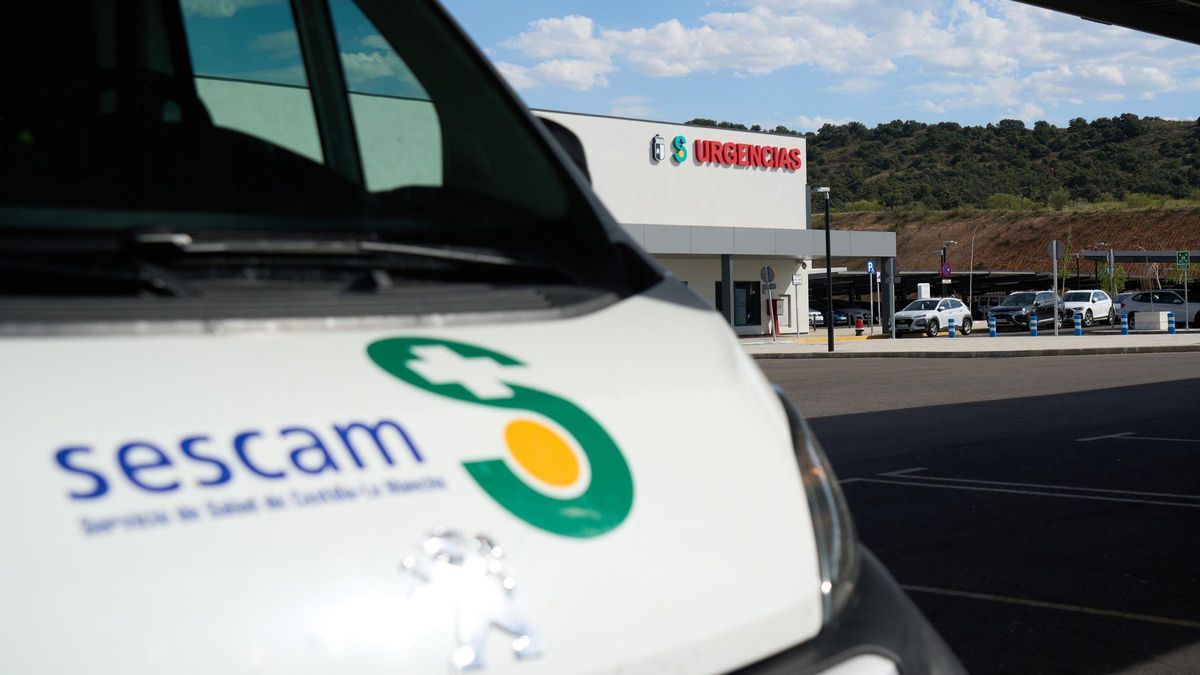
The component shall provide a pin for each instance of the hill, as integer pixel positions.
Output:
(1004, 165)
(1016, 240)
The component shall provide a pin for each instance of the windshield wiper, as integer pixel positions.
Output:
(185, 243)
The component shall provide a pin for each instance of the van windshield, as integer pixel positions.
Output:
(372, 119)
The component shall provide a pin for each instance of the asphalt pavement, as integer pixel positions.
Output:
(1042, 511)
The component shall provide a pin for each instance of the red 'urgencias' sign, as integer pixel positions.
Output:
(746, 154)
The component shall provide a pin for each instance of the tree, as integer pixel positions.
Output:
(1177, 275)
(1115, 281)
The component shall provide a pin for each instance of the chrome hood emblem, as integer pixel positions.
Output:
(474, 572)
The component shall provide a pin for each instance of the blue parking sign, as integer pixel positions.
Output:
(870, 267)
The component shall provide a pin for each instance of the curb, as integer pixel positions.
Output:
(1010, 353)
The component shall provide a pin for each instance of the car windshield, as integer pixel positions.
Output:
(1019, 299)
(218, 117)
(1078, 296)
(921, 306)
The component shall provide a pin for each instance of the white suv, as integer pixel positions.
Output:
(930, 315)
(1094, 305)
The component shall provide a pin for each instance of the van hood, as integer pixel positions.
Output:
(591, 493)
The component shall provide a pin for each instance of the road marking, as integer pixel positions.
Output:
(1129, 436)
(902, 472)
(1099, 438)
(1148, 618)
(1035, 493)
(1168, 440)
(1048, 487)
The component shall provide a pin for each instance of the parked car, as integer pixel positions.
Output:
(931, 315)
(1019, 308)
(983, 304)
(264, 416)
(855, 311)
(1119, 301)
(1162, 301)
(840, 317)
(1095, 305)
(815, 318)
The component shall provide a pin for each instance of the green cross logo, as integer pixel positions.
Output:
(477, 376)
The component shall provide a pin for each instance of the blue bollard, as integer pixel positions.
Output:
(1079, 323)
(1033, 325)
(1125, 324)
(951, 333)
(1170, 323)
(991, 326)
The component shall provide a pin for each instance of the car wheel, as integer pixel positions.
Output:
(1131, 315)
(1087, 319)
(932, 329)
(1112, 317)
(966, 327)
(1058, 322)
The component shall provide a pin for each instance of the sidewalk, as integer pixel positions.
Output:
(814, 345)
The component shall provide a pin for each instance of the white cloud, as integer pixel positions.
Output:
(963, 53)
(806, 123)
(279, 45)
(375, 41)
(518, 77)
(219, 9)
(630, 106)
(579, 74)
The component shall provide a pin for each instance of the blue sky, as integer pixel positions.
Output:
(805, 62)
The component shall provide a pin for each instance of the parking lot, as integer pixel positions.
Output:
(1042, 511)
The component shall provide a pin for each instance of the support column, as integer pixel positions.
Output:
(887, 290)
(727, 287)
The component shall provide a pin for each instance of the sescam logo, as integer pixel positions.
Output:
(680, 146)
(452, 370)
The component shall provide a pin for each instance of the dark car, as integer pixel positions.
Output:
(1018, 308)
(840, 317)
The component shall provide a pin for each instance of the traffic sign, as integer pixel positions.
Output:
(945, 270)
(870, 267)
(1056, 249)
(879, 277)
(767, 274)
(1183, 258)
(797, 279)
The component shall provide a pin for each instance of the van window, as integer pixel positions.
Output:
(399, 132)
(249, 73)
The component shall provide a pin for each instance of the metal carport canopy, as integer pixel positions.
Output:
(1137, 256)
(1175, 19)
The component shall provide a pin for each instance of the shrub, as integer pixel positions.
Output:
(1137, 200)
(1058, 199)
(1002, 201)
(864, 205)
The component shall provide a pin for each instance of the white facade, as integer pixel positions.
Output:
(641, 190)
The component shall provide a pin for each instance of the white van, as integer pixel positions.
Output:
(318, 355)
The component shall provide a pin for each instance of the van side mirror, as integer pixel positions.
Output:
(570, 143)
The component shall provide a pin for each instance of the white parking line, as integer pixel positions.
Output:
(1129, 436)
(1148, 618)
(903, 472)
(1128, 493)
(1035, 493)
(1098, 438)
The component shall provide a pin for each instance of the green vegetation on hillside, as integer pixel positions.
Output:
(1126, 161)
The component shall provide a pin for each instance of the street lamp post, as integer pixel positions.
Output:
(828, 267)
(1096, 263)
(971, 274)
